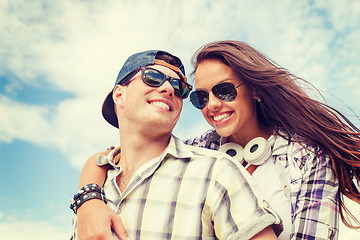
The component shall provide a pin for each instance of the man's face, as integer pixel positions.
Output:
(153, 109)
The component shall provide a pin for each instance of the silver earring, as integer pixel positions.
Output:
(258, 99)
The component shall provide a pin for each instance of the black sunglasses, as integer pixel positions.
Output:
(154, 78)
(225, 91)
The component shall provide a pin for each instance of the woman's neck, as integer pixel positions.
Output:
(243, 139)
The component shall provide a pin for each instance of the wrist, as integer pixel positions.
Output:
(88, 192)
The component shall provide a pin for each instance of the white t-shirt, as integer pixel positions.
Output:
(271, 181)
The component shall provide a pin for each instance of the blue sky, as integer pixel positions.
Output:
(59, 59)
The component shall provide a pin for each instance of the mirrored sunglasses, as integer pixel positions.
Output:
(155, 78)
(225, 91)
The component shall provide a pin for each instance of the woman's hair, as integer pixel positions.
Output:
(286, 109)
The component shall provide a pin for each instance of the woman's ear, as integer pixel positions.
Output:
(256, 96)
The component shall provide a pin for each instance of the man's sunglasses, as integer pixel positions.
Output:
(154, 78)
(225, 91)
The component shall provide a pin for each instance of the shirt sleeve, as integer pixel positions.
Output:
(316, 209)
(74, 228)
(238, 210)
(209, 140)
(102, 160)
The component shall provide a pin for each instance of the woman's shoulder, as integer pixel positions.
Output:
(209, 139)
(295, 144)
(300, 151)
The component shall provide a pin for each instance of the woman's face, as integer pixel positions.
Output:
(236, 118)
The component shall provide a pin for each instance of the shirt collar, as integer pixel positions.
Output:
(175, 148)
(280, 145)
(102, 160)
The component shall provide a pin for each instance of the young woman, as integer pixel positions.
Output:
(314, 149)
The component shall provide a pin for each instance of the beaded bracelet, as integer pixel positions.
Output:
(88, 192)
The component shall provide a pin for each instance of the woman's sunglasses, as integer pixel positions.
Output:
(225, 91)
(154, 78)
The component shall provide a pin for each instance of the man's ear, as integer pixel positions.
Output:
(119, 95)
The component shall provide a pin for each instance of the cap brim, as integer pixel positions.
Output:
(108, 111)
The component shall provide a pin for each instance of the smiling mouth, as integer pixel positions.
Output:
(161, 105)
(221, 117)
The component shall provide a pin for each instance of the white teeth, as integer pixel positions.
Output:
(161, 104)
(221, 117)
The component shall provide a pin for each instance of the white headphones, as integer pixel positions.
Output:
(256, 152)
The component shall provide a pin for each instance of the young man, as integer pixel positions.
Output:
(160, 187)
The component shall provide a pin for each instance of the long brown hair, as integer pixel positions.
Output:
(286, 108)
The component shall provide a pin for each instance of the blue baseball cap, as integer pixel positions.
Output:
(133, 63)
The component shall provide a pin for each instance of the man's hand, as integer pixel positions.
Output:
(95, 221)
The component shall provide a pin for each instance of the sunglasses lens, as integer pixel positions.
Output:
(225, 91)
(181, 89)
(199, 98)
(185, 90)
(153, 77)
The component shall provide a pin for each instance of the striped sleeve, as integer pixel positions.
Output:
(316, 213)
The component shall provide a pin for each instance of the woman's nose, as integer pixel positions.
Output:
(214, 103)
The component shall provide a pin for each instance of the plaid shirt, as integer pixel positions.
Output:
(310, 181)
(188, 193)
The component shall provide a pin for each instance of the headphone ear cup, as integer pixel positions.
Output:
(257, 151)
(234, 150)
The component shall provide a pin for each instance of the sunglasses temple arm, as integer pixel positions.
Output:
(128, 77)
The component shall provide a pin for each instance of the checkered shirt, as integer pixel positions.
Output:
(188, 193)
(310, 182)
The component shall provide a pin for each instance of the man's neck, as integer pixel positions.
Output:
(137, 150)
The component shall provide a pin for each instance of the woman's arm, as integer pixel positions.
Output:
(316, 211)
(92, 173)
(95, 220)
(266, 234)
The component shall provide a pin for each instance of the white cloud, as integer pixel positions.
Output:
(75, 127)
(32, 230)
(23, 121)
(14, 227)
(343, 14)
(80, 129)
